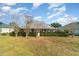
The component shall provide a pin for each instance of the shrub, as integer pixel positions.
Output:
(4, 34)
(66, 31)
(76, 34)
(12, 33)
(54, 34)
(21, 33)
(57, 33)
(32, 33)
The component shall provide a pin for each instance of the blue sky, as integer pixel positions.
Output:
(63, 13)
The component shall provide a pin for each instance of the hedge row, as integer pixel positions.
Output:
(41, 34)
(54, 34)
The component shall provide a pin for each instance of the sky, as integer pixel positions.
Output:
(63, 13)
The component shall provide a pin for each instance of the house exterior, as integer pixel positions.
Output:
(34, 27)
(4, 28)
(39, 26)
(72, 27)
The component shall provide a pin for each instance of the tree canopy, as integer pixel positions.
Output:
(56, 25)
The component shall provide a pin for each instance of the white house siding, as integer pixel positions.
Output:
(6, 30)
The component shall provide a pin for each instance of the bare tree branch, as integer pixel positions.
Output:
(28, 21)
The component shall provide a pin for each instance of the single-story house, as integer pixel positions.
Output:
(39, 26)
(72, 27)
(35, 26)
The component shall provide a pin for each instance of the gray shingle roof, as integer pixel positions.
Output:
(2, 25)
(40, 25)
(33, 25)
(72, 26)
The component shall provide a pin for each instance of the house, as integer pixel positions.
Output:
(35, 26)
(4, 28)
(39, 26)
(72, 27)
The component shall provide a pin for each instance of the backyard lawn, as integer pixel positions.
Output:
(39, 46)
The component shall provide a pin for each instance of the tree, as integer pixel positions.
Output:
(15, 26)
(28, 22)
(56, 25)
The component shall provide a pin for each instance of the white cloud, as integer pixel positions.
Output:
(10, 4)
(36, 5)
(6, 8)
(66, 20)
(48, 13)
(20, 9)
(66, 15)
(57, 12)
(60, 13)
(17, 10)
(2, 14)
(61, 9)
(51, 16)
(52, 5)
(54, 15)
(38, 18)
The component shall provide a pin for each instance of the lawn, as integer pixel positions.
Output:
(39, 46)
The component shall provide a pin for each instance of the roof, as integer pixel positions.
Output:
(72, 26)
(33, 25)
(40, 25)
(2, 25)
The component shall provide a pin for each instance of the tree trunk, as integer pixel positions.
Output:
(26, 35)
(27, 32)
(16, 34)
(38, 34)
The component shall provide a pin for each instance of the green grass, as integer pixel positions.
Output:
(39, 46)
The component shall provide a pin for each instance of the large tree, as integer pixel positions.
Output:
(28, 21)
(15, 24)
(56, 25)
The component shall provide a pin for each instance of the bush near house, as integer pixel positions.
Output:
(62, 33)
(32, 34)
(54, 34)
(12, 34)
(58, 33)
(21, 33)
(76, 34)
(4, 34)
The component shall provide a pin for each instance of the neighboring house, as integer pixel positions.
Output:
(4, 28)
(74, 27)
